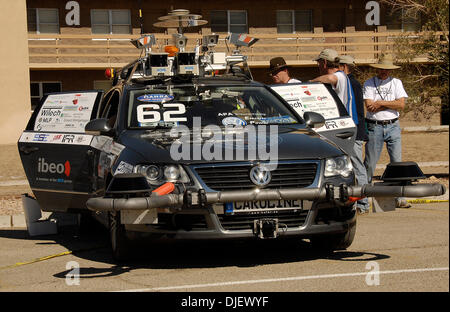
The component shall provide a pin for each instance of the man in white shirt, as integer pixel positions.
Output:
(328, 62)
(384, 96)
(279, 72)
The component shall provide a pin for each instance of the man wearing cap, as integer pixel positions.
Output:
(279, 72)
(328, 62)
(347, 65)
(384, 97)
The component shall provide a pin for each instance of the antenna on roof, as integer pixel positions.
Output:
(180, 18)
(141, 20)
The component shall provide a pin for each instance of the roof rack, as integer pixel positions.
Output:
(203, 61)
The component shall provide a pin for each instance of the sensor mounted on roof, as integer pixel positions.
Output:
(203, 60)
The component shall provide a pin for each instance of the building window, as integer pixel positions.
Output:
(43, 21)
(39, 89)
(111, 21)
(229, 21)
(399, 20)
(104, 85)
(292, 21)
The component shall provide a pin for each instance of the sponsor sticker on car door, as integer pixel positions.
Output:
(316, 97)
(56, 153)
(67, 112)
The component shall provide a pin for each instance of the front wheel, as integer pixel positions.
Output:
(120, 244)
(331, 242)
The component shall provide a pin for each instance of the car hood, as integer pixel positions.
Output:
(287, 143)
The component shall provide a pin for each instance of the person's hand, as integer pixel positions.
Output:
(374, 107)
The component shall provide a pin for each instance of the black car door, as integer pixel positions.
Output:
(56, 153)
(320, 98)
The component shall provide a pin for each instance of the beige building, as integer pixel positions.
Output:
(14, 78)
(56, 45)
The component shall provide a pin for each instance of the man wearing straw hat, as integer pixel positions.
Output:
(384, 97)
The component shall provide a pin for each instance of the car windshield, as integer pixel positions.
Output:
(215, 105)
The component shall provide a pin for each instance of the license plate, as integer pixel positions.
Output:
(263, 206)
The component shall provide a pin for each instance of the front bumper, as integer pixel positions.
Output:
(215, 228)
(334, 199)
(338, 195)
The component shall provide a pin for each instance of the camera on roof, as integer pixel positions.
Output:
(186, 63)
(210, 40)
(180, 41)
(157, 64)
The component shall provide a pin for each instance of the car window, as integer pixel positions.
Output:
(214, 105)
(112, 106)
(104, 103)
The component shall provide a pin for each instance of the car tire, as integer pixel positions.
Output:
(87, 225)
(119, 242)
(332, 242)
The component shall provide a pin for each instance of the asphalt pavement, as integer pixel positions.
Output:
(406, 250)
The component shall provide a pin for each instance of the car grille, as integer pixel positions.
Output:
(181, 221)
(243, 221)
(236, 177)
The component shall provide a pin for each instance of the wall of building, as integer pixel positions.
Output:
(329, 14)
(14, 78)
(76, 80)
(71, 80)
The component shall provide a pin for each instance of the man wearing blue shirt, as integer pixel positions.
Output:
(347, 65)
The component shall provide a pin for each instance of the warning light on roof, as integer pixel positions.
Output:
(109, 73)
(172, 50)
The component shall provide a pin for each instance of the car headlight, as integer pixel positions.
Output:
(171, 173)
(338, 166)
(159, 174)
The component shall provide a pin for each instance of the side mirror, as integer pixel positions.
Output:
(313, 120)
(101, 126)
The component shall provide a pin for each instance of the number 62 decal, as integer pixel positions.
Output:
(150, 113)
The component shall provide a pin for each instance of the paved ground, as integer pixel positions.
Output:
(409, 248)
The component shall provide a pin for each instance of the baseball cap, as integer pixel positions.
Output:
(346, 59)
(327, 54)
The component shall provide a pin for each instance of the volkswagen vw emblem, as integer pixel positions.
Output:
(260, 176)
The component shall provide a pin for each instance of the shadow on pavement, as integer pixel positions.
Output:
(94, 246)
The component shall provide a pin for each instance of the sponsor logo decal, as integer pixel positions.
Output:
(157, 98)
(52, 112)
(50, 167)
(331, 125)
(40, 137)
(68, 138)
(124, 167)
(233, 121)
